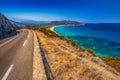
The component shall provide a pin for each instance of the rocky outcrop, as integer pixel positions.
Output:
(5, 25)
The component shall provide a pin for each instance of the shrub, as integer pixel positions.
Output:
(90, 51)
(50, 33)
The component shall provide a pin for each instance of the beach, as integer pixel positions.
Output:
(89, 36)
(52, 28)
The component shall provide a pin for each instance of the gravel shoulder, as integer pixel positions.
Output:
(38, 67)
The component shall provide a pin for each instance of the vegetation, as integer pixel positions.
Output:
(50, 33)
(65, 65)
(43, 29)
(91, 51)
(113, 62)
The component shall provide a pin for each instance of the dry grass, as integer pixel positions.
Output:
(113, 62)
(68, 63)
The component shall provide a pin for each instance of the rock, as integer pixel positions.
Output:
(5, 25)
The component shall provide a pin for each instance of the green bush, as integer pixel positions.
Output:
(91, 51)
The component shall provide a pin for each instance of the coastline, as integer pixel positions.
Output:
(67, 51)
(109, 60)
(53, 27)
(58, 50)
(62, 33)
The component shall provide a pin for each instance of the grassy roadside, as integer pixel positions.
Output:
(113, 62)
(52, 34)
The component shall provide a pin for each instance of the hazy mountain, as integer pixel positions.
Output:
(27, 21)
(65, 22)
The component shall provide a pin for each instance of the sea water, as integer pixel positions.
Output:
(104, 39)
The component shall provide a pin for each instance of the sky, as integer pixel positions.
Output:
(75, 10)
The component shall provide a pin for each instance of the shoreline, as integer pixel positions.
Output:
(53, 27)
(109, 60)
(113, 62)
(67, 54)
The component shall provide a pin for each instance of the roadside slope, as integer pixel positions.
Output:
(67, 62)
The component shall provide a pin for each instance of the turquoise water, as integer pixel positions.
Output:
(104, 39)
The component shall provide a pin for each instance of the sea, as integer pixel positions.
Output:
(103, 38)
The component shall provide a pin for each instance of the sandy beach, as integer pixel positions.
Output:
(52, 28)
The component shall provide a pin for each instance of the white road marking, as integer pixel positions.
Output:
(8, 72)
(24, 42)
(7, 42)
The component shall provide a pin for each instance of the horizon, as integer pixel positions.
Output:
(88, 11)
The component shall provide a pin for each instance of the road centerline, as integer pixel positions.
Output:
(8, 72)
(24, 42)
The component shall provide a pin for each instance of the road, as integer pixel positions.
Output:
(16, 57)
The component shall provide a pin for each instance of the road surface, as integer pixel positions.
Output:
(16, 57)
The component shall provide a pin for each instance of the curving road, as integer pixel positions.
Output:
(16, 57)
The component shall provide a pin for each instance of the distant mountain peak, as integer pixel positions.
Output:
(27, 21)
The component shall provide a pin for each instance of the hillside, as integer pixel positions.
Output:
(68, 62)
(5, 25)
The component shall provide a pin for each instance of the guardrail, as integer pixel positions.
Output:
(48, 72)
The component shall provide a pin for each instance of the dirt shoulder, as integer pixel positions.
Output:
(38, 67)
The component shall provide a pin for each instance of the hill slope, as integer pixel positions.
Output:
(67, 62)
(5, 25)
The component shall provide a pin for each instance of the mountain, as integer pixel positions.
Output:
(27, 21)
(65, 22)
(5, 25)
(17, 23)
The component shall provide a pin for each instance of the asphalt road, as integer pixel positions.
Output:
(16, 57)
